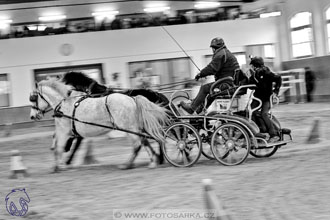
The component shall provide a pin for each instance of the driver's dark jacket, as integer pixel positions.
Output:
(223, 64)
(264, 78)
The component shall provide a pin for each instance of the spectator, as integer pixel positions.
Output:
(182, 18)
(221, 14)
(310, 83)
(116, 23)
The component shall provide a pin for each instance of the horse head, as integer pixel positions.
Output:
(47, 95)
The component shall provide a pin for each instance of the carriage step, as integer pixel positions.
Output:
(270, 145)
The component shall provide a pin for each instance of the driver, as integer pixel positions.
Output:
(223, 64)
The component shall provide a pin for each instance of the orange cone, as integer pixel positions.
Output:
(314, 136)
(16, 165)
(89, 158)
(212, 202)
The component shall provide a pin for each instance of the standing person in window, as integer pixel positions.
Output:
(264, 78)
(310, 83)
(223, 64)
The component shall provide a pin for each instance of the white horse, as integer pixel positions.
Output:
(91, 117)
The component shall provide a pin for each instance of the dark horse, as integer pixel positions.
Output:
(83, 83)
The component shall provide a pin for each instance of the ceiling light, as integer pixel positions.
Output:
(270, 14)
(5, 21)
(32, 27)
(41, 27)
(4, 24)
(156, 9)
(52, 18)
(104, 13)
(202, 5)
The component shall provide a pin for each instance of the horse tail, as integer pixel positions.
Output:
(152, 117)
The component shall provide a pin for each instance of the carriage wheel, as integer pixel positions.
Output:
(263, 151)
(230, 144)
(183, 145)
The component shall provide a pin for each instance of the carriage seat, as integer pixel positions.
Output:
(226, 87)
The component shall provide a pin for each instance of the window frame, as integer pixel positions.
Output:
(9, 90)
(54, 71)
(311, 42)
(327, 30)
(161, 84)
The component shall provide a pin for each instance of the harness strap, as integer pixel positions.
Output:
(112, 121)
(76, 104)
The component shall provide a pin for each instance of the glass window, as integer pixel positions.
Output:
(301, 19)
(241, 58)
(157, 74)
(328, 27)
(269, 51)
(4, 90)
(301, 34)
(93, 70)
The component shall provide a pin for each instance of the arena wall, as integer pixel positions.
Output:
(114, 49)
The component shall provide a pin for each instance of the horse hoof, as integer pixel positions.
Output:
(125, 166)
(152, 165)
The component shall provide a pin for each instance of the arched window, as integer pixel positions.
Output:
(301, 34)
(327, 15)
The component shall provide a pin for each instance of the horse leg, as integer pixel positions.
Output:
(151, 152)
(68, 144)
(161, 154)
(61, 140)
(136, 148)
(76, 147)
(53, 143)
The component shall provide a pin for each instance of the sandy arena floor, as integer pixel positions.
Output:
(291, 185)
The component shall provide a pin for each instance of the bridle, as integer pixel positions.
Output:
(34, 98)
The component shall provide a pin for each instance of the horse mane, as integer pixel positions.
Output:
(82, 82)
(55, 84)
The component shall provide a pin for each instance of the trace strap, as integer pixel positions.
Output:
(59, 114)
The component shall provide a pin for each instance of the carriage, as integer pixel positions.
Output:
(224, 131)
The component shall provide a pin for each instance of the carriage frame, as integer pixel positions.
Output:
(222, 134)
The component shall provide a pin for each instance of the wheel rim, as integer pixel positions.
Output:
(263, 152)
(182, 146)
(230, 144)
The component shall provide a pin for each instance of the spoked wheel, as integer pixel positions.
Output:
(263, 151)
(183, 145)
(230, 144)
